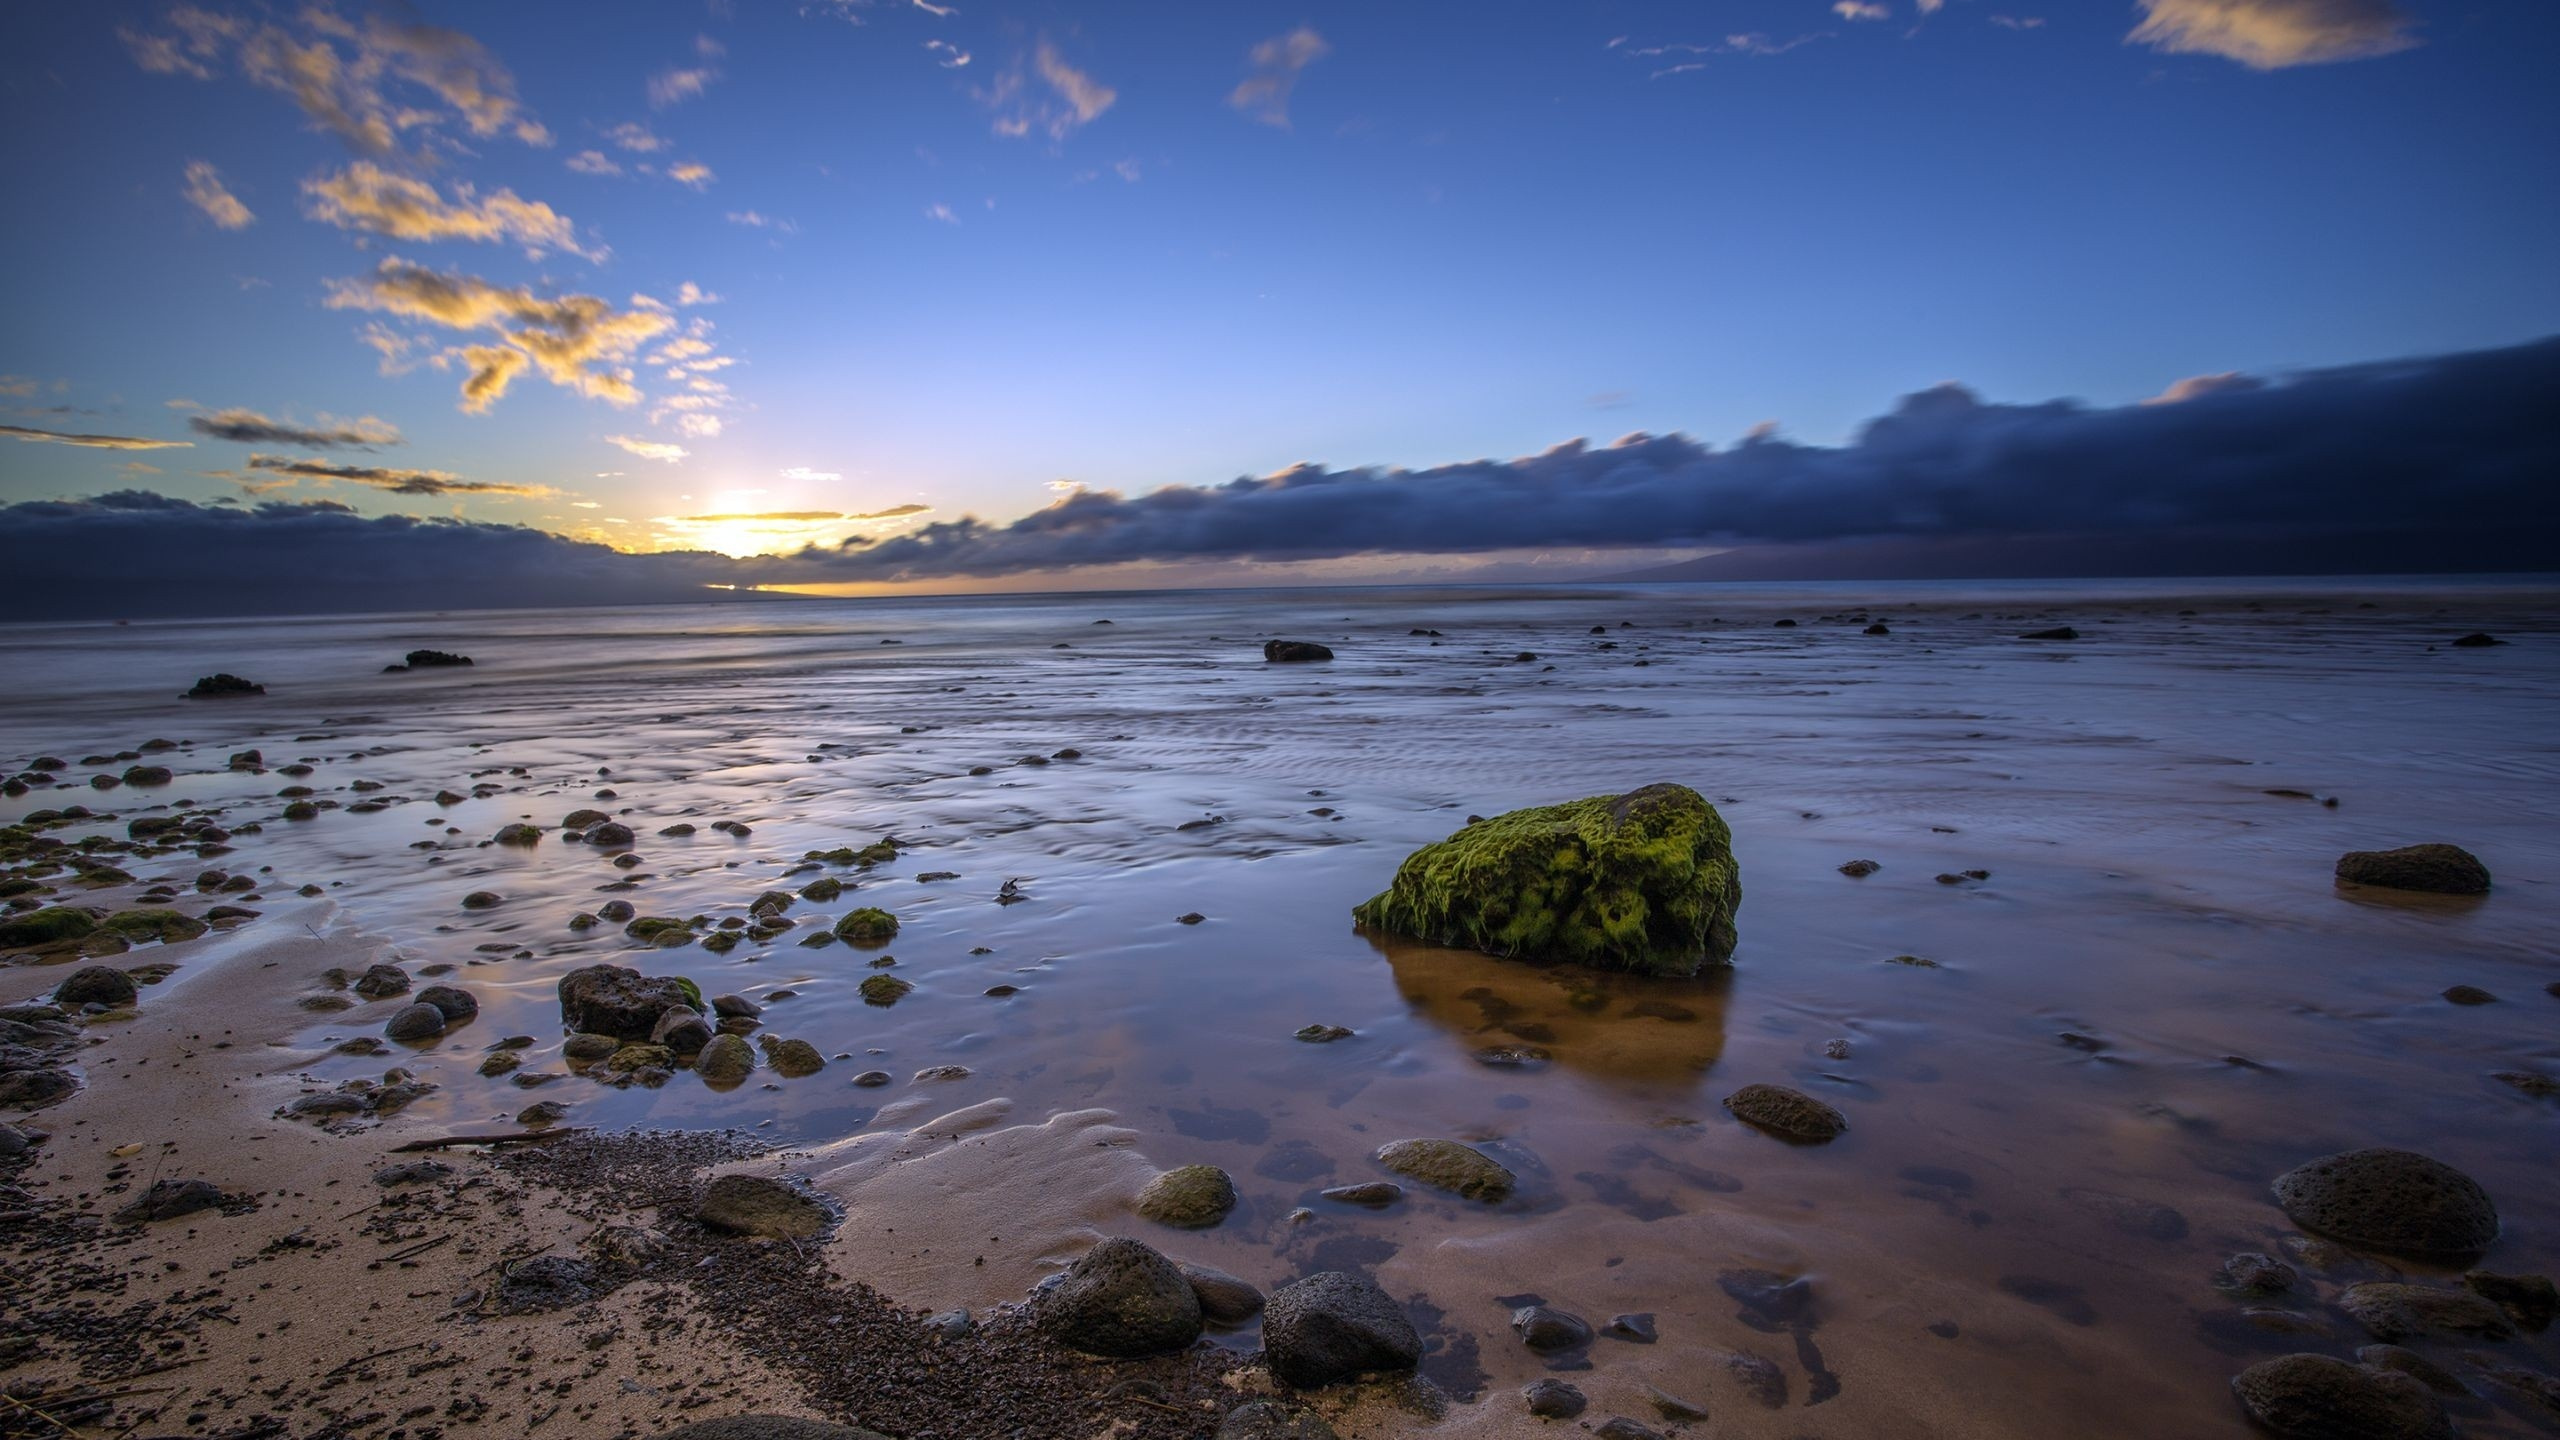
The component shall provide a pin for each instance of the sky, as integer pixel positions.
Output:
(1016, 294)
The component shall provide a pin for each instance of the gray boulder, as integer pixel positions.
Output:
(2438, 869)
(2394, 1200)
(1333, 1326)
(1121, 1299)
(420, 1021)
(2313, 1397)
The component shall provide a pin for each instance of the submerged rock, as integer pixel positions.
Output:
(1120, 1299)
(1189, 1197)
(1280, 652)
(221, 686)
(1644, 881)
(2532, 1301)
(2313, 1397)
(1448, 1165)
(2434, 868)
(2394, 1311)
(1552, 1399)
(1333, 1326)
(2394, 1200)
(610, 1000)
(1787, 1114)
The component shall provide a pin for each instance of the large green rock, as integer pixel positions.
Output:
(1644, 881)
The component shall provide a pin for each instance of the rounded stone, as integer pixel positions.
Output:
(456, 1005)
(2436, 869)
(754, 1205)
(1448, 1165)
(95, 985)
(1224, 1299)
(419, 1021)
(2394, 1311)
(1553, 1399)
(1543, 1328)
(1189, 1197)
(1121, 1299)
(1787, 1114)
(2314, 1397)
(1333, 1326)
(727, 1060)
(2394, 1200)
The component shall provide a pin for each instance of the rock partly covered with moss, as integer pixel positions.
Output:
(611, 1000)
(50, 925)
(1644, 881)
(1448, 1165)
(1188, 1197)
(2438, 869)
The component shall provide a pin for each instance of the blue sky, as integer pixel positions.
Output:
(1136, 246)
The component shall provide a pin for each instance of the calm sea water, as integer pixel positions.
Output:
(2017, 1235)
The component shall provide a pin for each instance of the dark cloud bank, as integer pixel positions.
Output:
(2438, 463)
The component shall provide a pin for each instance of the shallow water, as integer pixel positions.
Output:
(2059, 1205)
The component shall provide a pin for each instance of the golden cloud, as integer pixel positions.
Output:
(577, 341)
(364, 196)
(94, 442)
(205, 191)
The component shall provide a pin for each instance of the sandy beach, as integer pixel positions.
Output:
(2097, 991)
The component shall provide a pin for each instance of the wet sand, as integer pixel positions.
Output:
(2156, 1002)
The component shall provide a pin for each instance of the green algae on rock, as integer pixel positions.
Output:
(869, 924)
(1448, 1165)
(1188, 1197)
(1644, 881)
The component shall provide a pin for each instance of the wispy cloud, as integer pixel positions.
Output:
(1277, 62)
(205, 191)
(367, 197)
(1860, 10)
(1064, 99)
(941, 212)
(689, 293)
(248, 427)
(395, 481)
(371, 82)
(803, 472)
(577, 341)
(758, 220)
(649, 449)
(95, 442)
(592, 162)
(693, 173)
(2275, 34)
(637, 138)
(677, 84)
(947, 55)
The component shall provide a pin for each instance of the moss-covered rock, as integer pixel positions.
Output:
(868, 925)
(1448, 1165)
(1644, 881)
(167, 926)
(1189, 1197)
(884, 989)
(46, 926)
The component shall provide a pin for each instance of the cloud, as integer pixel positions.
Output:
(755, 220)
(894, 512)
(2274, 34)
(1264, 94)
(575, 341)
(947, 55)
(248, 427)
(94, 442)
(397, 482)
(1072, 99)
(205, 192)
(941, 212)
(676, 84)
(2195, 387)
(173, 557)
(2450, 451)
(633, 136)
(770, 516)
(592, 162)
(649, 449)
(371, 83)
(803, 472)
(689, 293)
(2013, 22)
(1860, 10)
(366, 197)
(693, 173)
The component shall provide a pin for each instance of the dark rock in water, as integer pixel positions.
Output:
(869, 925)
(1271, 1420)
(1322, 1034)
(1224, 1299)
(2530, 1300)
(2394, 1311)
(873, 1079)
(1333, 1326)
(1448, 1165)
(587, 1048)
(1637, 1328)
(457, 1005)
(1644, 881)
(1120, 1299)
(1674, 1409)
(1860, 869)
(767, 1427)
(732, 1007)
(1552, 1399)
(1544, 1328)
(1189, 1197)
(725, 1060)
(2469, 995)
(2058, 632)
(1376, 1194)
(753, 1205)
(581, 819)
(96, 985)
(420, 1021)
(221, 686)
(2477, 640)
(518, 834)
(610, 1000)
(483, 900)
(50, 925)
(2313, 1397)
(1289, 651)
(1760, 1378)
(1879, 628)
(2392, 1200)
(612, 834)
(2251, 1273)
(793, 1059)
(170, 1199)
(546, 1282)
(2414, 1365)
(381, 982)
(883, 989)
(431, 659)
(681, 1029)
(2436, 869)
(1787, 1114)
